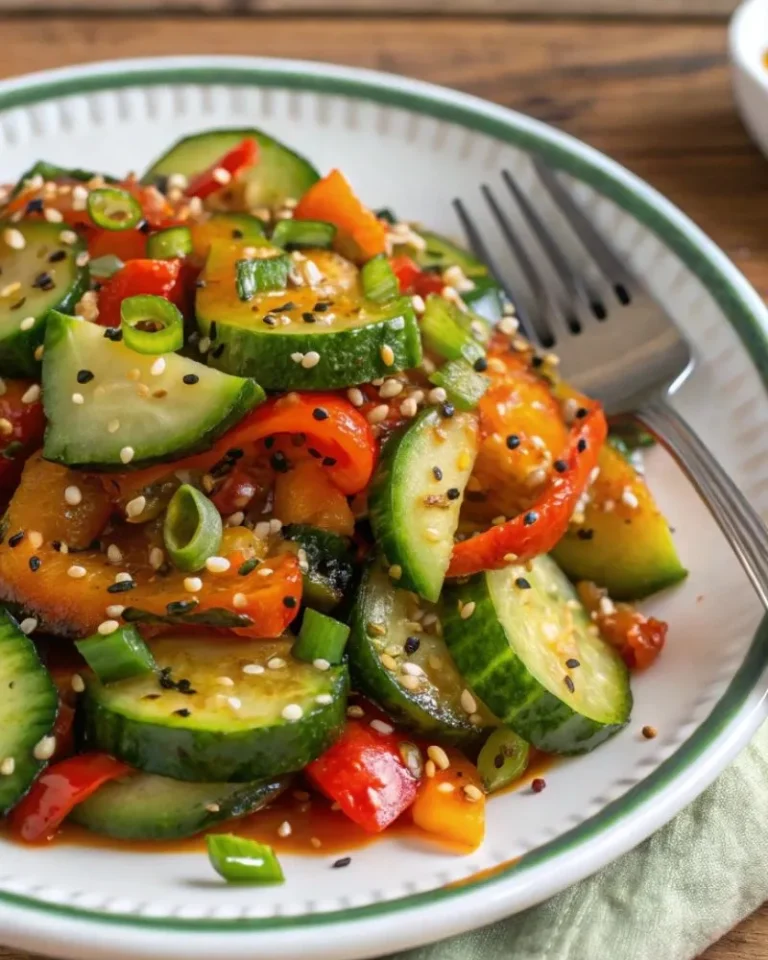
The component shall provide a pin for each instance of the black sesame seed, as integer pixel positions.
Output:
(151, 696)
(190, 379)
(84, 376)
(569, 683)
(581, 413)
(343, 862)
(530, 518)
(513, 441)
(498, 761)
(321, 306)
(56, 544)
(560, 465)
(314, 453)
(290, 305)
(248, 567)
(16, 539)
(481, 364)
(448, 409)
(269, 442)
(213, 330)
(279, 462)
(200, 284)
(184, 686)
(144, 227)
(113, 333)
(522, 584)
(176, 607)
(308, 317)
(437, 473)
(453, 493)
(57, 256)
(411, 645)
(289, 602)
(320, 414)
(166, 683)
(237, 234)
(581, 446)
(269, 320)
(585, 534)
(34, 564)
(235, 453)
(329, 461)
(121, 587)
(43, 281)
(218, 351)
(182, 713)
(536, 362)
(572, 663)
(19, 304)
(35, 206)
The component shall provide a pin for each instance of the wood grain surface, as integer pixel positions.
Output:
(655, 97)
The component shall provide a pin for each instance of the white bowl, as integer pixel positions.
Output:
(748, 42)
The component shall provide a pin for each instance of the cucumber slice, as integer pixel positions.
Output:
(530, 651)
(269, 336)
(148, 807)
(123, 420)
(53, 172)
(330, 567)
(230, 228)
(188, 723)
(429, 702)
(278, 174)
(48, 277)
(29, 703)
(416, 496)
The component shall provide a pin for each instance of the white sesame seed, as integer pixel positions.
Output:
(264, 572)
(27, 323)
(14, 238)
(355, 712)
(235, 519)
(123, 577)
(410, 683)
(321, 664)
(158, 367)
(381, 727)
(108, 627)
(285, 829)
(468, 702)
(438, 756)
(225, 681)
(28, 625)
(73, 496)
(292, 711)
(467, 610)
(114, 553)
(32, 395)
(135, 507)
(472, 793)
(395, 571)
(52, 215)
(253, 669)
(217, 564)
(204, 344)
(629, 499)
(607, 607)
(275, 525)
(76, 571)
(77, 682)
(212, 807)
(10, 288)
(126, 454)
(355, 397)
(409, 407)
(324, 699)
(508, 325)
(418, 303)
(276, 663)
(262, 529)
(297, 357)
(387, 355)
(115, 610)
(235, 702)
(437, 395)
(178, 181)
(82, 258)
(445, 787)
(113, 426)
(156, 558)
(390, 388)
(310, 359)
(45, 748)
(378, 413)
(412, 669)
(7, 766)
(222, 176)
(193, 584)
(78, 399)
(432, 534)
(68, 236)
(35, 539)
(6, 427)
(239, 601)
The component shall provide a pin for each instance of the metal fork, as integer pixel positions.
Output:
(618, 345)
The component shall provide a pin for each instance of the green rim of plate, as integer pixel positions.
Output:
(558, 150)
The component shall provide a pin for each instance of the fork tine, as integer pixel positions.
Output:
(610, 265)
(480, 248)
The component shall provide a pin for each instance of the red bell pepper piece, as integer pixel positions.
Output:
(21, 430)
(58, 790)
(538, 529)
(412, 279)
(160, 278)
(361, 235)
(366, 775)
(639, 639)
(125, 244)
(244, 155)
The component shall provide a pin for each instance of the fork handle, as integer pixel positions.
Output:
(742, 526)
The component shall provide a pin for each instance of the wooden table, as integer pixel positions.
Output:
(654, 96)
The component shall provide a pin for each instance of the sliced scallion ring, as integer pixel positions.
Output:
(240, 860)
(151, 325)
(118, 655)
(320, 638)
(192, 529)
(113, 209)
(379, 280)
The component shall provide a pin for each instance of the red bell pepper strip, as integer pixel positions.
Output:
(538, 529)
(361, 235)
(366, 775)
(244, 155)
(412, 279)
(21, 430)
(125, 244)
(58, 790)
(160, 278)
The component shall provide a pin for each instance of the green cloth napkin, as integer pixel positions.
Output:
(668, 899)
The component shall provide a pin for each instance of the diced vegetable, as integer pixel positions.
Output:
(22, 425)
(151, 325)
(261, 275)
(321, 638)
(379, 280)
(117, 655)
(159, 278)
(445, 335)
(298, 234)
(451, 804)
(463, 385)
(239, 860)
(503, 759)
(169, 244)
(193, 529)
(113, 209)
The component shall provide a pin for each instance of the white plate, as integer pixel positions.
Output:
(413, 147)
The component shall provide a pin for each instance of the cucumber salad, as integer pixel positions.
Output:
(292, 514)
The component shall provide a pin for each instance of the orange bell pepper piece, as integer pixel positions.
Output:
(457, 815)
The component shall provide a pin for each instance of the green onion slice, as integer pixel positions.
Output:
(379, 280)
(118, 655)
(192, 529)
(104, 267)
(239, 860)
(151, 324)
(320, 638)
(261, 275)
(462, 383)
(290, 234)
(113, 209)
(503, 759)
(169, 244)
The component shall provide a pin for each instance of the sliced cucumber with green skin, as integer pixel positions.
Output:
(531, 652)
(48, 276)
(279, 172)
(485, 300)
(424, 691)
(148, 807)
(416, 496)
(121, 422)
(29, 703)
(53, 172)
(262, 724)
(330, 565)
(270, 336)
